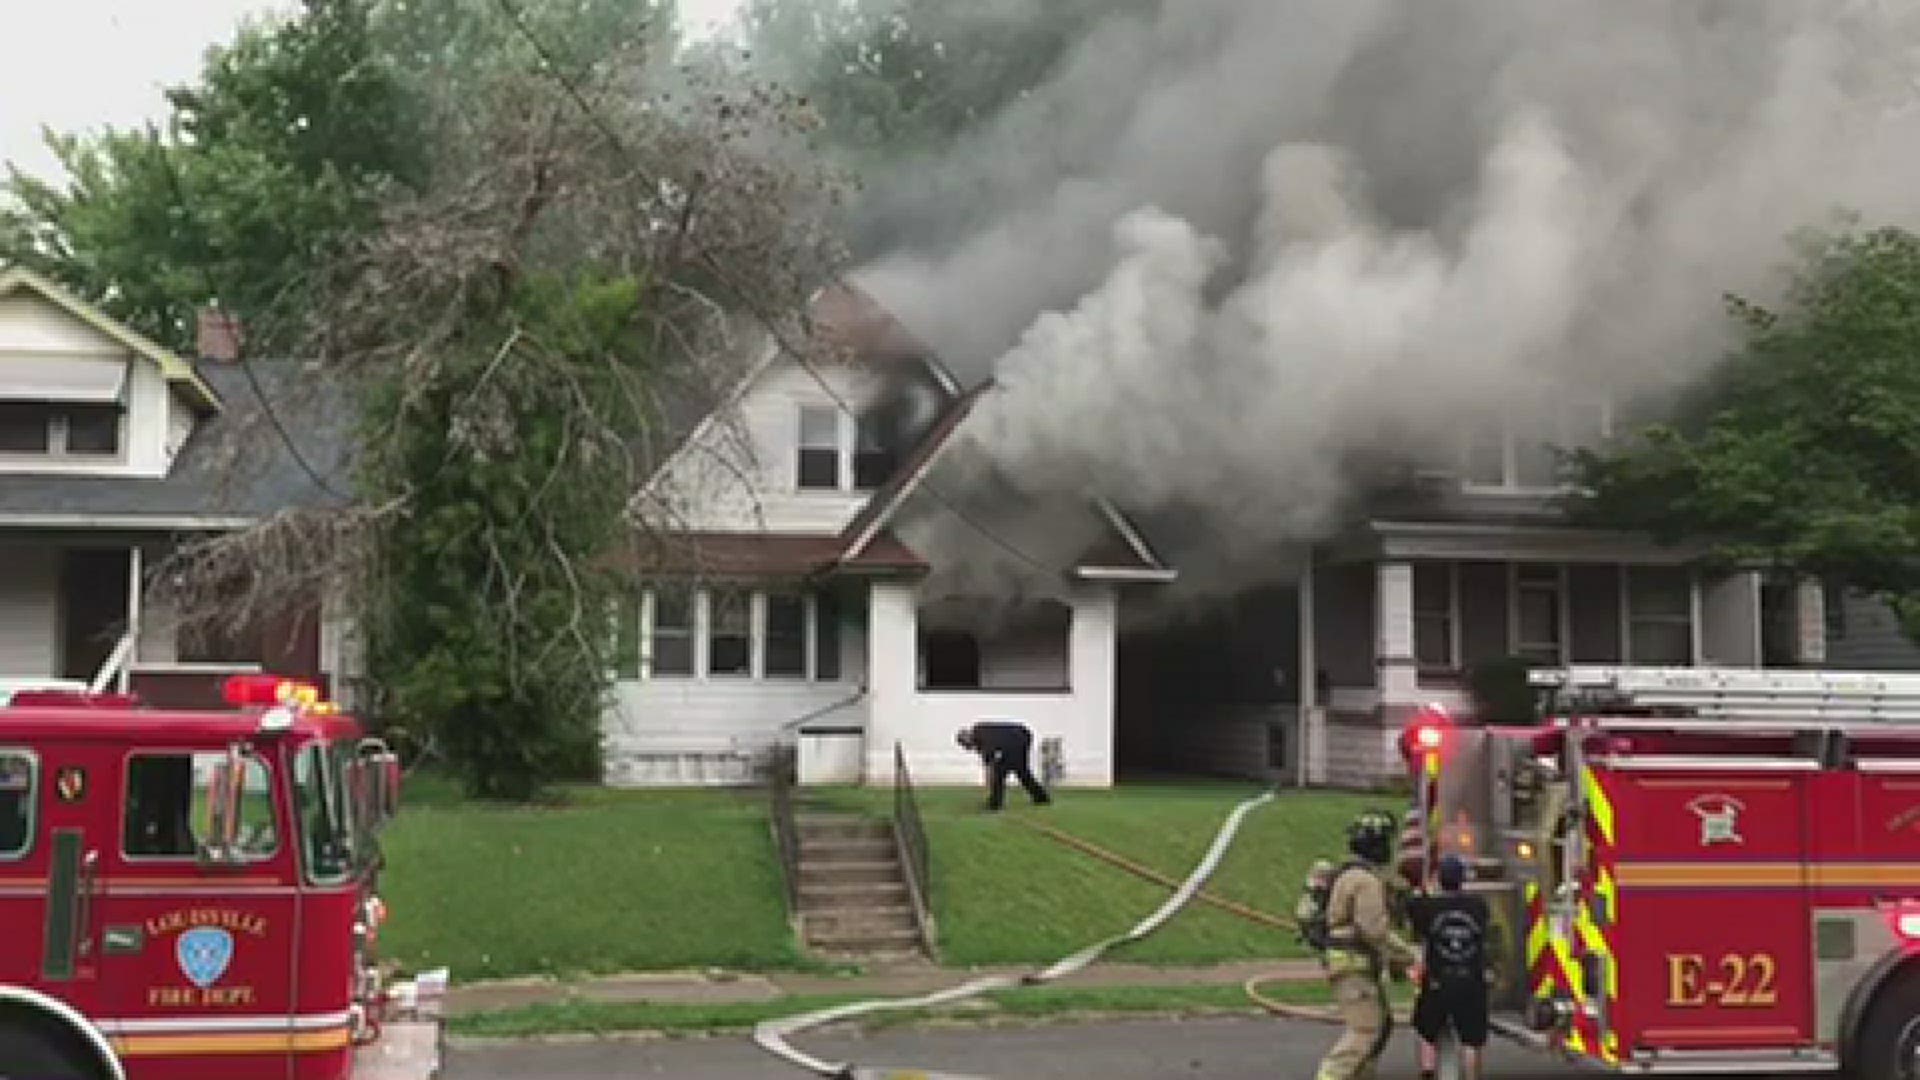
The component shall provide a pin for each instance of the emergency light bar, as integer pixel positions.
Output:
(241, 691)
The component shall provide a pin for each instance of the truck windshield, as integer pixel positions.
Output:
(326, 834)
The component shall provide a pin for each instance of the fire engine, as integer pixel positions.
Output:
(1692, 872)
(189, 895)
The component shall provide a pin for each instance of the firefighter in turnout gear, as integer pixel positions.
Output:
(1363, 949)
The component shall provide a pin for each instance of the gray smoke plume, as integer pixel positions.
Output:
(1238, 245)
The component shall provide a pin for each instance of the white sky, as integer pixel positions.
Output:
(93, 63)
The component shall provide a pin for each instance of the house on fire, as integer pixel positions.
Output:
(813, 582)
(1471, 559)
(112, 451)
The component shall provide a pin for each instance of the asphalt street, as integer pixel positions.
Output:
(1213, 1049)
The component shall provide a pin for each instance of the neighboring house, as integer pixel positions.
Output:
(112, 451)
(1467, 562)
(793, 592)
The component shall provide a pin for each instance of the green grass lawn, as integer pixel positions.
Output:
(607, 881)
(610, 881)
(1003, 893)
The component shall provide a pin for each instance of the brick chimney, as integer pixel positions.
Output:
(218, 336)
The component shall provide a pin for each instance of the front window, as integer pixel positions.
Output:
(1434, 636)
(786, 653)
(1659, 615)
(169, 802)
(19, 783)
(1539, 603)
(730, 632)
(326, 838)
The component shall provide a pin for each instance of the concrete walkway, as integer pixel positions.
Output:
(906, 980)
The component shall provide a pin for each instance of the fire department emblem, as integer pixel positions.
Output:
(204, 953)
(1719, 819)
(71, 783)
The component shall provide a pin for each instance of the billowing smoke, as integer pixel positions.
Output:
(1240, 251)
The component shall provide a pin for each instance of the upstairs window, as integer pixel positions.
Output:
(52, 429)
(873, 462)
(819, 449)
(1523, 452)
(835, 455)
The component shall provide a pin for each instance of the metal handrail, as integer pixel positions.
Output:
(782, 773)
(911, 835)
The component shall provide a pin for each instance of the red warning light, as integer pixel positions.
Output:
(242, 691)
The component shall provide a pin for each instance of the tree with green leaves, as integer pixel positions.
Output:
(507, 271)
(893, 78)
(1802, 452)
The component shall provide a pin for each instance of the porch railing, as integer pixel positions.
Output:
(910, 833)
(782, 772)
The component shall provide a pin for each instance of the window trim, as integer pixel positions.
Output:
(33, 802)
(1563, 623)
(1628, 619)
(126, 789)
(1452, 615)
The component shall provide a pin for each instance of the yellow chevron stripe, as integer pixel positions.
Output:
(1600, 806)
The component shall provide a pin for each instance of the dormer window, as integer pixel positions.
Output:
(819, 448)
(838, 454)
(1522, 454)
(59, 429)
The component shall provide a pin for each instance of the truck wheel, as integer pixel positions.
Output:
(37, 1045)
(1889, 1044)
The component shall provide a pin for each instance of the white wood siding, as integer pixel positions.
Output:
(739, 475)
(29, 610)
(924, 722)
(694, 731)
(156, 424)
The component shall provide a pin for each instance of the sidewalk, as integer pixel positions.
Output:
(907, 980)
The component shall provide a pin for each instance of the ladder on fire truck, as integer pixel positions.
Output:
(1739, 693)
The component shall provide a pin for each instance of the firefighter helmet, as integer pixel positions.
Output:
(1371, 836)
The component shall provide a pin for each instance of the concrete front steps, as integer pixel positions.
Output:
(854, 898)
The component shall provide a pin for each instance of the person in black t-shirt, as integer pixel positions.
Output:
(1453, 969)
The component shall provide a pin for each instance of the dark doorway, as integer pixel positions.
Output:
(93, 593)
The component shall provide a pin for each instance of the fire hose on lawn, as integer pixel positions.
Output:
(772, 1035)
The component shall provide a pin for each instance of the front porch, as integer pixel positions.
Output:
(72, 608)
(723, 671)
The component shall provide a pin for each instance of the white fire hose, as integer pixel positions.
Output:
(772, 1035)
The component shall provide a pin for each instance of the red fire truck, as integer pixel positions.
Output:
(1685, 894)
(189, 895)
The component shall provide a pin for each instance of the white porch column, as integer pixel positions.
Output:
(1091, 645)
(1393, 634)
(1810, 623)
(892, 675)
(135, 572)
(1308, 746)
